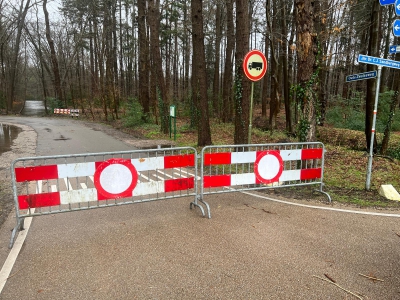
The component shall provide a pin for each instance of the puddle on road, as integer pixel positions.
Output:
(7, 134)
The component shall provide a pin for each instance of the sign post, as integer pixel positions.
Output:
(380, 62)
(254, 66)
(172, 115)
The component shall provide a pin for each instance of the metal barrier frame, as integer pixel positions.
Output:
(220, 170)
(73, 164)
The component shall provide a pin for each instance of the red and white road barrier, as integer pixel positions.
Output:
(253, 167)
(113, 179)
(65, 183)
(268, 167)
(73, 112)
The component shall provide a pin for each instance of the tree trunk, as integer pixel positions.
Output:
(242, 84)
(307, 75)
(154, 21)
(53, 55)
(373, 50)
(143, 58)
(13, 78)
(227, 80)
(200, 75)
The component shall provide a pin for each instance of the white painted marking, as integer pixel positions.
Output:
(19, 241)
(83, 185)
(12, 256)
(188, 173)
(325, 208)
(165, 174)
(68, 184)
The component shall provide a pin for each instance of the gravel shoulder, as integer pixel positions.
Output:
(23, 146)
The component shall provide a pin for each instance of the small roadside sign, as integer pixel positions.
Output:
(396, 28)
(397, 7)
(377, 61)
(387, 2)
(394, 49)
(255, 65)
(361, 76)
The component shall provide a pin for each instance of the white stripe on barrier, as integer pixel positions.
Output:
(76, 170)
(290, 175)
(149, 163)
(77, 196)
(243, 157)
(290, 154)
(151, 187)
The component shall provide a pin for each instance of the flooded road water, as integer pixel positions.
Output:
(7, 134)
(33, 108)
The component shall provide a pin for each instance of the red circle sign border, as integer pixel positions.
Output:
(246, 59)
(125, 162)
(257, 161)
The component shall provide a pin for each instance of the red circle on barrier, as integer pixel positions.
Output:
(268, 166)
(116, 178)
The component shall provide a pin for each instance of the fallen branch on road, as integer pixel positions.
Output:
(335, 284)
(370, 277)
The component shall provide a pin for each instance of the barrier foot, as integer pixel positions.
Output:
(199, 206)
(208, 208)
(17, 228)
(325, 193)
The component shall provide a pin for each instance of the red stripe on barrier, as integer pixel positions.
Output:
(311, 153)
(310, 173)
(216, 181)
(217, 159)
(176, 161)
(38, 200)
(36, 173)
(179, 184)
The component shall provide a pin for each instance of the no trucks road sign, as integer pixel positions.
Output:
(255, 65)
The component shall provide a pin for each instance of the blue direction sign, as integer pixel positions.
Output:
(387, 2)
(397, 7)
(377, 61)
(394, 49)
(396, 28)
(361, 76)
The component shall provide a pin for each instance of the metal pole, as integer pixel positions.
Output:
(251, 111)
(371, 145)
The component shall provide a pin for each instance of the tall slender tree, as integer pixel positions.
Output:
(199, 79)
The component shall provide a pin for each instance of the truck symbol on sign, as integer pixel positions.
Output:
(256, 65)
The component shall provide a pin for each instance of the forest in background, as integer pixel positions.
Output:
(141, 56)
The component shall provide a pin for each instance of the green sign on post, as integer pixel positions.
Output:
(172, 115)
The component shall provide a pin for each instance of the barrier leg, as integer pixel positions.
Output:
(17, 228)
(208, 208)
(194, 203)
(325, 193)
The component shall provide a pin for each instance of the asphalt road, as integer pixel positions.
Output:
(252, 248)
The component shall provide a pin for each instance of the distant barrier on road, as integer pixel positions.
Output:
(64, 183)
(253, 167)
(73, 112)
